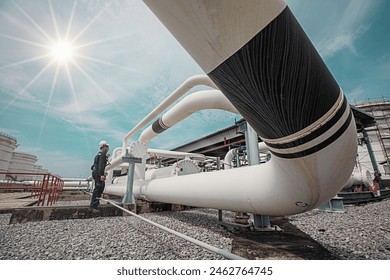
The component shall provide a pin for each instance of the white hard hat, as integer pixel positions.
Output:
(103, 143)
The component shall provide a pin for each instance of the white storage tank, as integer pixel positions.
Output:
(22, 162)
(37, 169)
(7, 147)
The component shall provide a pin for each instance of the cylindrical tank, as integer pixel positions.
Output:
(37, 169)
(21, 163)
(7, 147)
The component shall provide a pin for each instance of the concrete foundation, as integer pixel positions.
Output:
(48, 213)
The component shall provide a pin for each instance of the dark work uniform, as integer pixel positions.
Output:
(99, 164)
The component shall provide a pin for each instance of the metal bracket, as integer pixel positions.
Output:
(129, 197)
(336, 204)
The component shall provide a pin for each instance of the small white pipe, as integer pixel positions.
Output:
(227, 161)
(230, 154)
(174, 96)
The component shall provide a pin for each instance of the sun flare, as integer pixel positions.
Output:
(62, 51)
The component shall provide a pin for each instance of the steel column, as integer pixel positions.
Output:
(129, 197)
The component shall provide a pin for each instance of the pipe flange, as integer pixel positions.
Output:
(185, 167)
(137, 149)
(367, 178)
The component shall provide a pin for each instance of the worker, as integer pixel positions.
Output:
(98, 175)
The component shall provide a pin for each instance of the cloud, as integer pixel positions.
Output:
(355, 94)
(70, 165)
(334, 26)
(330, 46)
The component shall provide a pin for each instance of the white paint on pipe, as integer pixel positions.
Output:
(200, 100)
(211, 36)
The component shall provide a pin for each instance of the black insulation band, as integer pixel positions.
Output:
(320, 146)
(277, 81)
(158, 126)
(315, 133)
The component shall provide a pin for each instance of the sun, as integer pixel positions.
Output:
(62, 51)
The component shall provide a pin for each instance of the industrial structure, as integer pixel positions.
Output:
(282, 89)
(379, 135)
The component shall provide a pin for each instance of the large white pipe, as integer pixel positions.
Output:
(261, 59)
(173, 97)
(278, 187)
(200, 100)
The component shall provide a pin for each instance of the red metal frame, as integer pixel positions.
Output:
(45, 189)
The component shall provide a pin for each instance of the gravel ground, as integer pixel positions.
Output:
(114, 238)
(363, 232)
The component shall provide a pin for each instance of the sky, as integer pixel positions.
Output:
(122, 62)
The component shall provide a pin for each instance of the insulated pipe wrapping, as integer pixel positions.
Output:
(260, 58)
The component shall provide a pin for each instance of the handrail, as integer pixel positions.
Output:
(46, 189)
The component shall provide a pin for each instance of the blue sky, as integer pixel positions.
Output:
(126, 62)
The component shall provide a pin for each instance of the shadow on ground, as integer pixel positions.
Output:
(288, 244)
